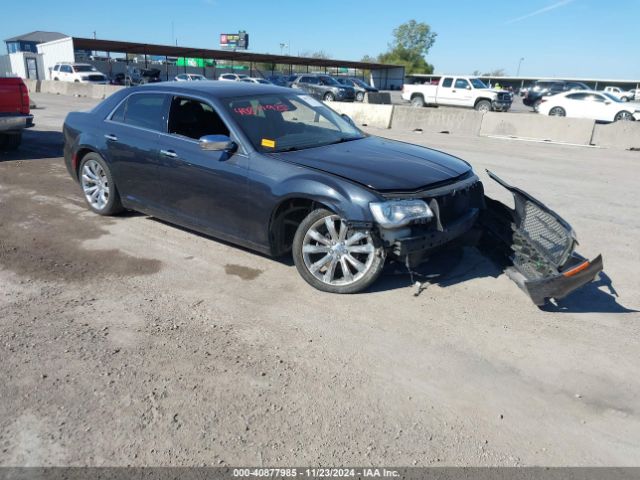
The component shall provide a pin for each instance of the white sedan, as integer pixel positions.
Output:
(256, 80)
(599, 106)
(189, 77)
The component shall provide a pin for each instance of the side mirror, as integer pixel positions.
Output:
(217, 143)
(348, 119)
(468, 87)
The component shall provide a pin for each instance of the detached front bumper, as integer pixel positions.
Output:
(538, 246)
(534, 244)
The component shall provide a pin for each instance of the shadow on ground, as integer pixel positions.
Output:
(36, 145)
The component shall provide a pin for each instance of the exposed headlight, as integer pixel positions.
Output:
(398, 213)
(341, 90)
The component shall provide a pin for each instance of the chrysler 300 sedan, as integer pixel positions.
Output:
(275, 170)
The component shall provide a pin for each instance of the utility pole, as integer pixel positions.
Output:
(519, 63)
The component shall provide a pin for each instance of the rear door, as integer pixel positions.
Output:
(132, 135)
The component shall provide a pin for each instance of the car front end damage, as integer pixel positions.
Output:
(536, 245)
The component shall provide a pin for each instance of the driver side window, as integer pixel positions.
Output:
(194, 119)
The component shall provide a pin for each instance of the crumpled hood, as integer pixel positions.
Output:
(381, 164)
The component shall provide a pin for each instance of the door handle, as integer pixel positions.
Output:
(169, 153)
(111, 137)
(453, 91)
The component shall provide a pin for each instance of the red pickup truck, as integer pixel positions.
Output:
(14, 112)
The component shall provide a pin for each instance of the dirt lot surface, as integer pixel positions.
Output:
(126, 341)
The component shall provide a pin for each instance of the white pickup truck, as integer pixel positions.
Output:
(621, 94)
(455, 91)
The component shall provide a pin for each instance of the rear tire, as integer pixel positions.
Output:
(333, 258)
(623, 116)
(483, 106)
(557, 112)
(97, 185)
(329, 97)
(417, 101)
(10, 142)
(360, 97)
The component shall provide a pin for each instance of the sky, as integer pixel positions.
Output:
(559, 38)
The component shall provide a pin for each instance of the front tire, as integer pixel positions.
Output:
(98, 187)
(360, 97)
(329, 97)
(623, 116)
(333, 258)
(483, 106)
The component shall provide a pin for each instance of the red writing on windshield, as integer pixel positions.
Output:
(274, 107)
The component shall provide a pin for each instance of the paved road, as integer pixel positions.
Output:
(126, 341)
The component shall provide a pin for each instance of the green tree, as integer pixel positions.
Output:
(411, 43)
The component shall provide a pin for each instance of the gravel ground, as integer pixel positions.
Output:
(127, 341)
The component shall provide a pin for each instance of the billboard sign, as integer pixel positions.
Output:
(234, 40)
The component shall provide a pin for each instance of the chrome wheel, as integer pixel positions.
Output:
(624, 116)
(336, 255)
(95, 184)
(557, 112)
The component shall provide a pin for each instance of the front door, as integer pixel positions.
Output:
(202, 189)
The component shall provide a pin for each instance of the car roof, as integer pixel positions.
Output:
(216, 89)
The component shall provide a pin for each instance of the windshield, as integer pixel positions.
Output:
(360, 82)
(287, 122)
(84, 68)
(477, 83)
(327, 80)
(612, 97)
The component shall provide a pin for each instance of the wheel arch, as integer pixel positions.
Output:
(480, 99)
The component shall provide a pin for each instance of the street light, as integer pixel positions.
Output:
(282, 47)
(519, 63)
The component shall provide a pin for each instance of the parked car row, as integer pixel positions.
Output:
(321, 86)
(577, 100)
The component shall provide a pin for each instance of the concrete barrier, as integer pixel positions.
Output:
(32, 85)
(539, 127)
(451, 120)
(365, 114)
(78, 89)
(623, 135)
(381, 98)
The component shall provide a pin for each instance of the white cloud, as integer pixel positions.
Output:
(548, 8)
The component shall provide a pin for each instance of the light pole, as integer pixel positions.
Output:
(519, 63)
(282, 47)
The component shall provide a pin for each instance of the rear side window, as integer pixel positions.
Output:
(447, 82)
(577, 96)
(143, 110)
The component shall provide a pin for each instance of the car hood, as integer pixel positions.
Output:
(381, 164)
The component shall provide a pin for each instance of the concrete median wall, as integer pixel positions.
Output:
(78, 89)
(364, 114)
(452, 120)
(624, 135)
(540, 127)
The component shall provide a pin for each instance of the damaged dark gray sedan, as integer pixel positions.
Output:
(277, 171)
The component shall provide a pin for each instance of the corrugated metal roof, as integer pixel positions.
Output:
(240, 56)
(37, 36)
